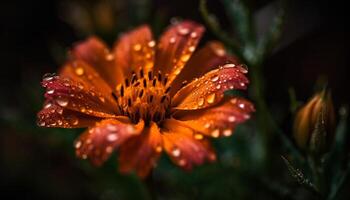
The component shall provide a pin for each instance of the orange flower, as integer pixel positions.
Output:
(136, 99)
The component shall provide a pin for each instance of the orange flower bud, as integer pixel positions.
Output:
(314, 124)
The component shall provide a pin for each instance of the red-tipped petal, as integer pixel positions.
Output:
(98, 143)
(213, 54)
(183, 148)
(220, 120)
(209, 89)
(94, 52)
(135, 50)
(176, 46)
(53, 115)
(74, 96)
(140, 153)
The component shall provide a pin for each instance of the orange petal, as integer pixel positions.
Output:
(74, 96)
(81, 72)
(209, 89)
(135, 51)
(53, 115)
(219, 120)
(183, 149)
(99, 142)
(94, 52)
(140, 153)
(205, 59)
(176, 46)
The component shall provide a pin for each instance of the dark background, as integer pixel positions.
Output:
(41, 165)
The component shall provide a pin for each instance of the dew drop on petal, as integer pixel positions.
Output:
(231, 118)
(137, 47)
(172, 40)
(215, 78)
(198, 136)
(62, 102)
(215, 133)
(200, 101)
(182, 162)
(183, 31)
(112, 137)
(74, 121)
(176, 152)
(151, 43)
(79, 71)
(207, 125)
(244, 68)
(218, 86)
(229, 66)
(109, 57)
(48, 105)
(159, 149)
(78, 144)
(241, 105)
(220, 52)
(227, 132)
(50, 91)
(185, 57)
(211, 98)
(191, 48)
(194, 34)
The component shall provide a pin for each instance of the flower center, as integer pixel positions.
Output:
(144, 96)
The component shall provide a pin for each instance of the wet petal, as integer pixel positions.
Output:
(140, 153)
(73, 96)
(135, 51)
(94, 52)
(53, 115)
(209, 89)
(81, 72)
(182, 147)
(176, 46)
(205, 59)
(220, 120)
(99, 142)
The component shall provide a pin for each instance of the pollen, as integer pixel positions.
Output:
(144, 96)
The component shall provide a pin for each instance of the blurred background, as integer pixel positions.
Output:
(39, 163)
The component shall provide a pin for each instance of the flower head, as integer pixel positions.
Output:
(143, 98)
(314, 123)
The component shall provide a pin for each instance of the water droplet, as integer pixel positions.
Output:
(137, 47)
(42, 123)
(102, 99)
(109, 149)
(74, 121)
(62, 102)
(231, 118)
(151, 43)
(48, 105)
(183, 31)
(215, 78)
(241, 105)
(215, 133)
(109, 57)
(200, 101)
(207, 125)
(79, 71)
(194, 34)
(227, 132)
(218, 86)
(59, 122)
(112, 137)
(198, 136)
(50, 91)
(244, 68)
(172, 40)
(182, 162)
(176, 152)
(112, 128)
(211, 98)
(185, 58)
(191, 48)
(159, 149)
(242, 84)
(220, 52)
(229, 66)
(78, 144)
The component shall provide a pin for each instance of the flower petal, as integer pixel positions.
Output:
(99, 142)
(81, 72)
(183, 149)
(141, 152)
(94, 52)
(53, 115)
(176, 46)
(205, 59)
(74, 96)
(135, 51)
(209, 89)
(219, 120)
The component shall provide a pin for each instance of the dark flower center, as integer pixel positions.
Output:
(144, 96)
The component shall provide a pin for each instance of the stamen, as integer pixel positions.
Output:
(151, 98)
(165, 79)
(144, 83)
(133, 78)
(154, 82)
(137, 84)
(141, 93)
(150, 75)
(129, 102)
(159, 76)
(115, 96)
(122, 90)
(168, 89)
(127, 82)
(141, 73)
(162, 99)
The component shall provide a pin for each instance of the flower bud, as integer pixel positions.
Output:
(314, 124)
